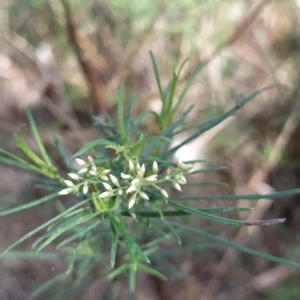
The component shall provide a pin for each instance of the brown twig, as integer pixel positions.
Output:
(95, 87)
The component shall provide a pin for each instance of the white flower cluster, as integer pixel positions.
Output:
(133, 182)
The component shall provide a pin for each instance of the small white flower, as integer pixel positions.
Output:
(177, 186)
(155, 167)
(103, 177)
(94, 168)
(114, 180)
(120, 192)
(69, 183)
(131, 201)
(90, 159)
(83, 170)
(135, 181)
(151, 178)
(64, 192)
(168, 177)
(126, 176)
(80, 161)
(74, 176)
(105, 171)
(94, 173)
(131, 166)
(107, 186)
(85, 188)
(131, 189)
(180, 179)
(184, 167)
(164, 193)
(141, 170)
(144, 195)
(105, 194)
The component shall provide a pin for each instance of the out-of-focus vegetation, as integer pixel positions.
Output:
(65, 60)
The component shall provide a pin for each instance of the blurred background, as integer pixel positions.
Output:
(65, 59)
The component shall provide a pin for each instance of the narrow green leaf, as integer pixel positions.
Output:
(138, 146)
(168, 131)
(207, 170)
(238, 247)
(131, 281)
(197, 125)
(67, 227)
(167, 112)
(252, 197)
(147, 112)
(128, 115)
(62, 153)
(173, 231)
(217, 120)
(115, 273)
(25, 166)
(205, 215)
(124, 137)
(157, 78)
(114, 245)
(184, 249)
(31, 255)
(78, 234)
(158, 138)
(50, 283)
(189, 82)
(14, 157)
(28, 205)
(151, 271)
(55, 227)
(177, 213)
(45, 225)
(130, 244)
(22, 145)
(206, 183)
(38, 138)
(93, 144)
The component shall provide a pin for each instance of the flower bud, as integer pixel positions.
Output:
(155, 167)
(114, 180)
(144, 195)
(74, 176)
(131, 201)
(164, 193)
(107, 186)
(177, 186)
(131, 166)
(80, 161)
(85, 188)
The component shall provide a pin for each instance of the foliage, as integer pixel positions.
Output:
(123, 188)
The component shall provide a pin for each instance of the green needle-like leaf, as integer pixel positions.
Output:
(28, 205)
(205, 215)
(93, 144)
(157, 78)
(131, 245)
(238, 246)
(67, 227)
(218, 120)
(252, 197)
(114, 245)
(124, 137)
(38, 138)
(189, 82)
(45, 225)
(151, 271)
